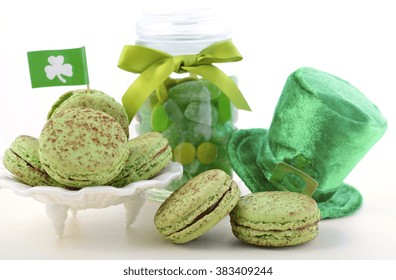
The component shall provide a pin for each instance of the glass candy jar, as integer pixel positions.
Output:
(190, 110)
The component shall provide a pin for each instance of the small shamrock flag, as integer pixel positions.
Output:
(58, 67)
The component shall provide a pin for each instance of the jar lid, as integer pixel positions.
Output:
(181, 31)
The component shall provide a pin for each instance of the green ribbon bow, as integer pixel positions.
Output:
(156, 66)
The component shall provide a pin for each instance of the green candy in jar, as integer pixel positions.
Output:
(196, 118)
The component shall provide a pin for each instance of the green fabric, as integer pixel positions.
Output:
(344, 202)
(155, 67)
(244, 146)
(323, 126)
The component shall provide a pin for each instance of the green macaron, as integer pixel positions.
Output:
(22, 160)
(275, 219)
(82, 147)
(93, 99)
(197, 206)
(149, 153)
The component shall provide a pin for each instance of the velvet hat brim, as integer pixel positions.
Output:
(243, 148)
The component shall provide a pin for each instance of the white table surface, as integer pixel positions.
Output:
(26, 233)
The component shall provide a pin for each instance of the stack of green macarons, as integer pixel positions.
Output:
(270, 219)
(85, 142)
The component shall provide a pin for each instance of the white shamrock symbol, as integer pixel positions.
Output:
(57, 68)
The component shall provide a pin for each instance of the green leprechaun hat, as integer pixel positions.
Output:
(321, 128)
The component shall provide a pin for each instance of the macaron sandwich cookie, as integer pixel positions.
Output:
(22, 159)
(149, 153)
(275, 218)
(81, 147)
(94, 99)
(197, 206)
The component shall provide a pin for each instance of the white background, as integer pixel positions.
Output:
(354, 40)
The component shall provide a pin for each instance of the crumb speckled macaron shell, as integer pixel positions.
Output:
(22, 160)
(149, 153)
(276, 207)
(197, 206)
(275, 218)
(275, 238)
(96, 100)
(83, 147)
(59, 102)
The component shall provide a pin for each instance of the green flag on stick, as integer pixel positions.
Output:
(58, 67)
